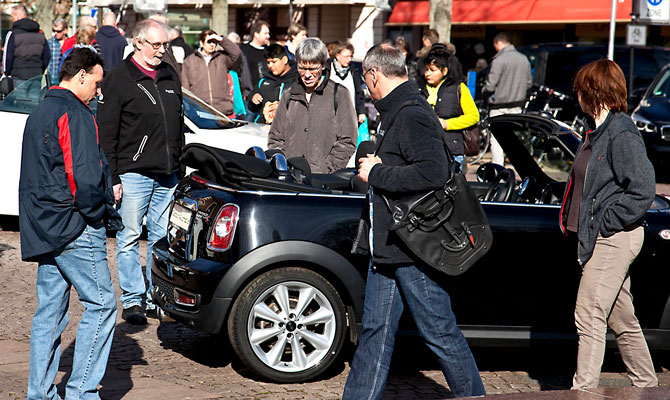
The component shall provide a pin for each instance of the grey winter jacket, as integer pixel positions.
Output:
(509, 78)
(619, 185)
(314, 129)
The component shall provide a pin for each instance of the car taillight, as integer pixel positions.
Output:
(224, 228)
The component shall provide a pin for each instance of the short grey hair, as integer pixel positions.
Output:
(387, 59)
(60, 22)
(141, 29)
(312, 50)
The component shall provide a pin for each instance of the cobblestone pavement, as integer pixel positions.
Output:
(168, 361)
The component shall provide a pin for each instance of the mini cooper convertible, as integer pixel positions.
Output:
(260, 249)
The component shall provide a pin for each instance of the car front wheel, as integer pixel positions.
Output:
(288, 325)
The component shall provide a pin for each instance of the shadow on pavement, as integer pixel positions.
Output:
(125, 353)
(210, 350)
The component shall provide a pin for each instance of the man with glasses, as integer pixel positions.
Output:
(59, 29)
(315, 117)
(141, 131)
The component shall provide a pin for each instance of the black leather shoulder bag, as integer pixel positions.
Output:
(446, 228)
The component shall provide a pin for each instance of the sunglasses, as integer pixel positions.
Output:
(213, 41)
(58, 30)
(157, 45)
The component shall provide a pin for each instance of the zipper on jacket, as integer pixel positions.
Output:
(165, 126)
(141, 148)
(209, 84)
(148, 93)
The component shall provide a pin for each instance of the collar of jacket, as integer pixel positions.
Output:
(138, 75)
(596, 133)
(216, 53)
(298, 92)
(63, 93)
(508, 48)
(397, 97)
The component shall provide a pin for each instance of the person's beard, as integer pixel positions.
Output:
(153, 61)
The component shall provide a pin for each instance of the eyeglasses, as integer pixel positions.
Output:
(311, 70)
(366, 72)
(157, 45)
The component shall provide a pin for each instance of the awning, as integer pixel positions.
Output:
(407, 12)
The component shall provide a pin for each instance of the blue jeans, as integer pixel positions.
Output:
(143, 195)
(82, 264)
(388, 289)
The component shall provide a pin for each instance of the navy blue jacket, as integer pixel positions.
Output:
(65, 181)
(111, 45)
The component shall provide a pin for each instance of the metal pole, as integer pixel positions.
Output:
(610, 50)
(290, 12)
(74, 16)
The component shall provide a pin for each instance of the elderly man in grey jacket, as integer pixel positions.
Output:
(315, 117)
(509, 80)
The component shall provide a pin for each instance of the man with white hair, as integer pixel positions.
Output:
(110, 41)
(26, 50)
(141, 131)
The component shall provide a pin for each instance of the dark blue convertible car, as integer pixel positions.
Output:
(261, 251)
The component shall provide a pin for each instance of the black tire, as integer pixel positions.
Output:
(258, 312)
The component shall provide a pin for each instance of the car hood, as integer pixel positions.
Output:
(656, 110)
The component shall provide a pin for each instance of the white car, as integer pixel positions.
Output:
(203, 123)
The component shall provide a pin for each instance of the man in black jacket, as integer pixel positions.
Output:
(26, 50)
(410, 158)
(141, 131)
(65, 199)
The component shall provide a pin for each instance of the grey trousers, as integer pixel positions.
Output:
(604, 299)
(497, 154)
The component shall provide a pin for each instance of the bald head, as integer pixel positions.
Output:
(109, 19)
(19, 12)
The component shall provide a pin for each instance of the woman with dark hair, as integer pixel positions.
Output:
(611, 186)
(450, 99)
(205, 72)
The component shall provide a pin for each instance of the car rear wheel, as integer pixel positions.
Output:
(288, 325)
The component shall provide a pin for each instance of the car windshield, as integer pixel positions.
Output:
(205, 116)
(662, 87)
(26, 96)
(535, 148)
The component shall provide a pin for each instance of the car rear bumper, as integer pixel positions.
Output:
(199, 279)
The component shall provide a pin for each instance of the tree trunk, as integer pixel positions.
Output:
(45, 14)
(220, 16)
(440, 18)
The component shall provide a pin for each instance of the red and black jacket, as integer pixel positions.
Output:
(65, 181)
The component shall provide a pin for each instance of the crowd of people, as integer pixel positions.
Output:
(84, 174)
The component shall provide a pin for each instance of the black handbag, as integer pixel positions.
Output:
(446, 228)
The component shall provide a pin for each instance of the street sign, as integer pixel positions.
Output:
(636, 35)
(654, 12)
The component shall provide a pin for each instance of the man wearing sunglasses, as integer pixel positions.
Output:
(59, 29)
(205, 72)
(141, 131)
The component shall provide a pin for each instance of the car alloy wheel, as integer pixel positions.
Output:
(287, 325)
